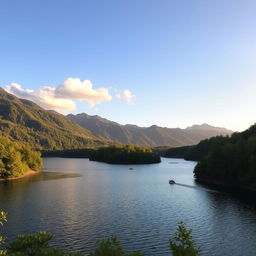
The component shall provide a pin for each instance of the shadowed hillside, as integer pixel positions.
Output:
(25, 121)
(230, 161)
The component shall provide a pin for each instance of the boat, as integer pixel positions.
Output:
(171, 182)
(130, 168)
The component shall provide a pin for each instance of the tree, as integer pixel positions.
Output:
(111, 247)
(17, 158)
(182, 243)
(125, 154)
(38, 245)
(35, 245)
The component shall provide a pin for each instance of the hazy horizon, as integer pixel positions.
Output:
(168, 63)
(110, 119)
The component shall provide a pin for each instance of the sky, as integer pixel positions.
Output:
(164, 62)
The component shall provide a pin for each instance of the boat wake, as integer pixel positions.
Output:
(187, 186)
(196, 187)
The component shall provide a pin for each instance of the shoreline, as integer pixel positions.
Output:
(27, 174)
(224, 186)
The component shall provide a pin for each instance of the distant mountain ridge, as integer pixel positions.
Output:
(25, 121)
(146, 136)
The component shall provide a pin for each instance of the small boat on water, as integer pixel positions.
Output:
(130, 168)
(171, 182)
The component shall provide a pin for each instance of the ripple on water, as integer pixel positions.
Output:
(81, 201)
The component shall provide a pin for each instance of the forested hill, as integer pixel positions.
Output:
(125, 154)
(230, 161)
(227, 161)
(195, 152)
(146, 136)
(23, 120)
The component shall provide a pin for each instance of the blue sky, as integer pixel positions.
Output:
(182, 62)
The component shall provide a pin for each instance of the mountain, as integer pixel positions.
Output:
(146, 136)
(25, 121)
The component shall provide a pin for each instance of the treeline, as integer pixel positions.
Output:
(126, 154)
(46, 138)
(69, 153)
(16, 158)
(196, 152)
(226, 161)
(179, 152)
(230, 161)
(116, 154)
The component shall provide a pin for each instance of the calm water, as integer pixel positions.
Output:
(80, 201)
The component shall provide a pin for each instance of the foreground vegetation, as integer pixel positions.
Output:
(16, 159)
(181, 244)
(125, 155)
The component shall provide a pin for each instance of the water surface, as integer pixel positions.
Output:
(80, 201)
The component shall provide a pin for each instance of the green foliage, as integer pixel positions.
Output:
(147, 136)
(112, 247)
(30, 244)
(31, 158)
(35, 245)
(23, 120)
(69, 153)
(127, 154)
(230, 161)
(179, 152)
(16, 158)
(3, 218)
(182, 243)
(197, 152)
(38, 245)
(108, 247)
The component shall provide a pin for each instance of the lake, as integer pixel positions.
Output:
(80, 201)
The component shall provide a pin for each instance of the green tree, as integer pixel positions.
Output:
(16, 158)
(31, 158)
(182, 243)
(35, 245)
(111, 247)
(125, 154)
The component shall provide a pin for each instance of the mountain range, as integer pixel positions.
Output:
(23, 120)
(152, 136)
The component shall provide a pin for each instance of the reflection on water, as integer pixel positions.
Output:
(80, 201)
(57, 175)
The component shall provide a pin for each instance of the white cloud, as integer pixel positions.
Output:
(63, 96)
(76, 89)
(44, 96)
(126, 96)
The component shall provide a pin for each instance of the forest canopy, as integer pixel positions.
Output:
(16, 158)
(230, 161)
(126, 154)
